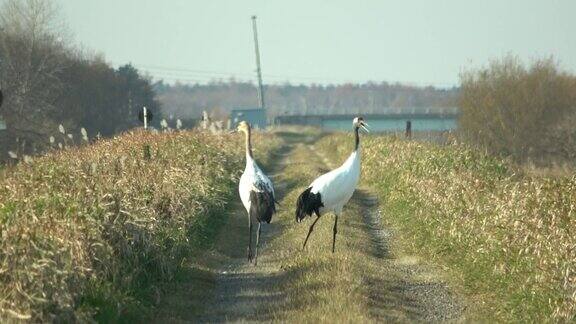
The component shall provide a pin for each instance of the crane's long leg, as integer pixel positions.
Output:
(250, 239)
(335, 231)
(257, 243)
(310, 231)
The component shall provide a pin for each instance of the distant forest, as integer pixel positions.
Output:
(52, 90)
(188, 101)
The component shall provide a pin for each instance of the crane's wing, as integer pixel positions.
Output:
(335, 187)
(307, 204)
(262, 201)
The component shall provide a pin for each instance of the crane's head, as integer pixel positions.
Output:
(243, 126)
(359, 123)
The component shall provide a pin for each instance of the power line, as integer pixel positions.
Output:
(158, 69)
(206, 73)
(192, 75)
(171, 75)
(172, 69)
(201, 76)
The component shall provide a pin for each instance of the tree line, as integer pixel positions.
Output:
(47, 82)
(189, 100)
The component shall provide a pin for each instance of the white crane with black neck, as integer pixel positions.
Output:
(331, 191)
(256, 193)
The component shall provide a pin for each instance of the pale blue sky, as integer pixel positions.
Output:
(420, 42)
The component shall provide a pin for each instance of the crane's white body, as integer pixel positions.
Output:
(331, 191)
(257, 194)
(253, 179)
(337, 186)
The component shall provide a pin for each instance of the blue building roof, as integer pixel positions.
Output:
(255, 116)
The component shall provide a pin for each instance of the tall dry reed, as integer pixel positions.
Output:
(95, 231)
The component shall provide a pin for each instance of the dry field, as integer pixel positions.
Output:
(97, 231)
(433, 234)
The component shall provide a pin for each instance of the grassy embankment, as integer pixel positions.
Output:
(95, 232)
(507, 237)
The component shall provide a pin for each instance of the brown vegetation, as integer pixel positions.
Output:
(95, 231)
(527, 113)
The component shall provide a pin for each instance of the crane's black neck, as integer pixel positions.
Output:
(357, 138)
(249, 142)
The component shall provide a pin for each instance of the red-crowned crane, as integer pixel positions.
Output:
(331, 191)
(256, 193)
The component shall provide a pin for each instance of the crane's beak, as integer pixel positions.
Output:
(233, 131)
(365, 126)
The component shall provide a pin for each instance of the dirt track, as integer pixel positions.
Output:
(223, 287)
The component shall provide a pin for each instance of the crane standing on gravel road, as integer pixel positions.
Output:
(256, 193)
(331, 191)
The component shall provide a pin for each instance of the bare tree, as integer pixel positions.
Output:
(33, 56)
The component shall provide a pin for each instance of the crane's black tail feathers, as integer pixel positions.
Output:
(307, 204)
(262, 206)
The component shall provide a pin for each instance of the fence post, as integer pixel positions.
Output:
(408, 129)
(145, 114)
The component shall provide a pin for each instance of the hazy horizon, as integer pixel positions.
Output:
(414, 42)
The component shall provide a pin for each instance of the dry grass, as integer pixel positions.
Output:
(507, 236)
(93, 232)
(526, 112)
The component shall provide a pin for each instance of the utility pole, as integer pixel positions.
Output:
(1, 70)
(258, 70)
